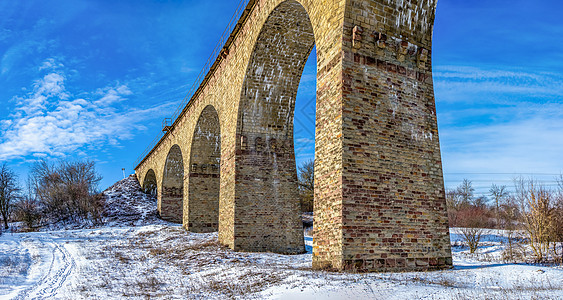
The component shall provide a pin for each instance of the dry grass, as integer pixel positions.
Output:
(11, 266)
(161, 262)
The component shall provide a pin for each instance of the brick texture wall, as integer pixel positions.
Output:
(202, 203)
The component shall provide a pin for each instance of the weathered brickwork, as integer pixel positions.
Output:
(379, 194)
(265, 160)
(149, 184)
(393, 198)
(202, 203)
(170, 200)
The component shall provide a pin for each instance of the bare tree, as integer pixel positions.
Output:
(509, 216)
(66, 190)
(27, 211)
(307, 185)
(459, 200)
(453, 203)
(558, 219)
(499, 193)
(480, 202)
(472, 236)
(8, 192)
(465, 191)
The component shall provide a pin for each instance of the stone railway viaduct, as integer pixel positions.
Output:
(228, 164)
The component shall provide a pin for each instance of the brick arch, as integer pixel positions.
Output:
(266, 160)
(171, 198)
(150, 185)
(379, 193)
(201, 210)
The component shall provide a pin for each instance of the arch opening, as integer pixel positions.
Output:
(149, 183)
(201, 212)
(172, 191)
(267, 190)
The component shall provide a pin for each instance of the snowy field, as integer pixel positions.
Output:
(164, 261)
(136, 255)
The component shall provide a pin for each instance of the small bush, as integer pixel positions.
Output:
(473, 220)
(537, 216)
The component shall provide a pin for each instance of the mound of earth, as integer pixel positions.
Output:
(127, 204)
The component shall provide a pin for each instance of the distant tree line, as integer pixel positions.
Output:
(532, 208)
(62, 192)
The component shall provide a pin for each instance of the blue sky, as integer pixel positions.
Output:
(94, 79)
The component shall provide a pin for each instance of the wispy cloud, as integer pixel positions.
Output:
(459, 84)
(49, 120)
(15, 54)
(532, 145)
(51, 64)
(4, 34)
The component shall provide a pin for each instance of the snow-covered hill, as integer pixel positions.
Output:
(135, 255)
(127, 204)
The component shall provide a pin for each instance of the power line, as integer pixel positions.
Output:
(542, 174)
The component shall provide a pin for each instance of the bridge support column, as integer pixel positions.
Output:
(384, 207)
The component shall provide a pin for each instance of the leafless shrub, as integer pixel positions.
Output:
(472, 237)
(67, 190)
(27, 211)
(453, 203)
(473, 221)
(509, 215)
(514, 252)
(537, 216)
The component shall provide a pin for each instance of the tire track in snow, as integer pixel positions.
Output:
(23, 294)
(61, 266)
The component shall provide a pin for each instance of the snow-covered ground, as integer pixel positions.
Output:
(144, 257)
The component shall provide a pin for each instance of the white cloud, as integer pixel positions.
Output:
(532, 142)
(50, 121)
(50, 64)
(111, 95)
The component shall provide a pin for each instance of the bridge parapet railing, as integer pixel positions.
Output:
(219, 52)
